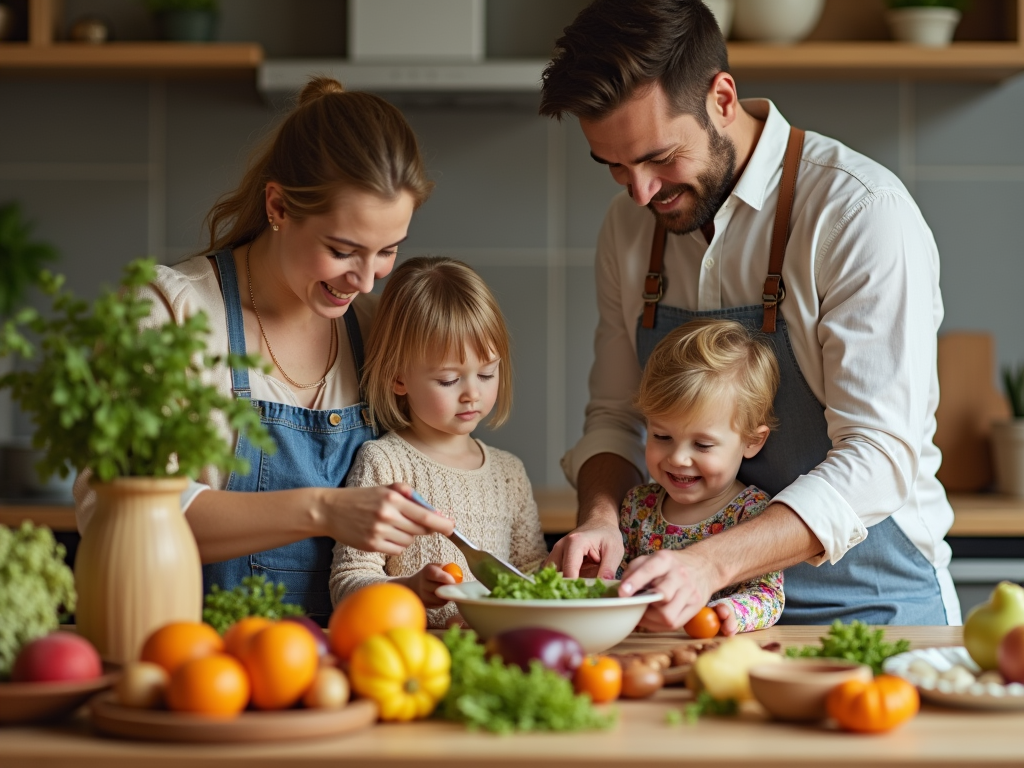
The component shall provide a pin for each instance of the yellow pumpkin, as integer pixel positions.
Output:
(406, 671)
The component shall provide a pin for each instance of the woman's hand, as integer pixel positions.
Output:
(677, 576)
(425, 583)
(379, 519)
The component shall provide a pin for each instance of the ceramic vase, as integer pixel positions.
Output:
(137, 567)
(931, 27)
(1008, 456)
(776, 21)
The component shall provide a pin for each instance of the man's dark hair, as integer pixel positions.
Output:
(615, 47)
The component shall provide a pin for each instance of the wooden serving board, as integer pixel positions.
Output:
(160, 725)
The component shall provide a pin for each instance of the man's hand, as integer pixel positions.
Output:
(593, 549)
(685, 585)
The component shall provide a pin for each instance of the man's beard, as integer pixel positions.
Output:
(706, 198)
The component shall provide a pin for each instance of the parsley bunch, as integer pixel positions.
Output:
(548, 584)
(254, 597)
(120, 399)
(856, 642)
(498, 697)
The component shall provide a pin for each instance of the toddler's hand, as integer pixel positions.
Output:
(425, 583)
(727, 616)
(456, 621)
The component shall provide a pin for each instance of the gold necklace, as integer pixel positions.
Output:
(289, 379)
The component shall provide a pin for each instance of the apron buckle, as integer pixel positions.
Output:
(654, 288)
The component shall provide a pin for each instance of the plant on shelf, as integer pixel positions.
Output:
(929, 23)
(1008, 436)
(130, 403)
(21, 258)
(186, 20)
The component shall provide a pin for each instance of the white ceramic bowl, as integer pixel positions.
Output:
(597, 623)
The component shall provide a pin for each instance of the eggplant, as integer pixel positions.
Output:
(319, 636)
(557, 651)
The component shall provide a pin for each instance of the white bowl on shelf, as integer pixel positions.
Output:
(597, 623)
(776, 21)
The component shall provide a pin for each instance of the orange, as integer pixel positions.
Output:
(173, 644)
(282, 661)
(454, 570)
(214, 685)
(240, 633)
(371, 611)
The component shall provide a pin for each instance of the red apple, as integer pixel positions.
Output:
(58, 656)
(1011, 655)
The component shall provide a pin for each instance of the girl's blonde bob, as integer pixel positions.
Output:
(432, 307)
(697, 363)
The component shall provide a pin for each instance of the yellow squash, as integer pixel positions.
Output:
(406, 671)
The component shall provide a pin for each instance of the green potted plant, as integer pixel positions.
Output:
(193, 21)
(22, 259)
(131, 405)
(929, 23)
(1008, 436)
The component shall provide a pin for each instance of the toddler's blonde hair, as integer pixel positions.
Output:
(698, 362)
(432, 307)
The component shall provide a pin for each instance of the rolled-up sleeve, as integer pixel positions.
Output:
(877, 278)
(612, 424)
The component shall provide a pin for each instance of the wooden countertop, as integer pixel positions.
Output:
(976, 515)
(949, 737)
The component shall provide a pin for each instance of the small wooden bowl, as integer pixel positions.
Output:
(797, 688)
(39, 702)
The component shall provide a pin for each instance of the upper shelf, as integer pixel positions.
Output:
(831, 60)
(131, 58)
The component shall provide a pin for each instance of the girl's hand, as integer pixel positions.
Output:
(425, 583)
(727, 616)
(456, 621)
(378, 519)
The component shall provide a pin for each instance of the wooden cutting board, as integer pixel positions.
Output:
(968, 404)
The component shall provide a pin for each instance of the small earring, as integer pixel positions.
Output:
(272, 224)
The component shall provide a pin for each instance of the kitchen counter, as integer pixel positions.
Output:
(937, 736)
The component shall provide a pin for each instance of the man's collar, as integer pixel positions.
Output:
(766, 159)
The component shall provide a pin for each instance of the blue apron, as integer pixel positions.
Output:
(882, 580)
(315, 449)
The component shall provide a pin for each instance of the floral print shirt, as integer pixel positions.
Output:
(757, 602)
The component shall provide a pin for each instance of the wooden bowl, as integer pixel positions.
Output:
(37, 702)
(796, 689)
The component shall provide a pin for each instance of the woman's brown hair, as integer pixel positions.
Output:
(332, 140)
(432, 307)
(615, 47)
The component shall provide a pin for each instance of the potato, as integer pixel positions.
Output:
(141, 685)
(329, 690)
(723, 672)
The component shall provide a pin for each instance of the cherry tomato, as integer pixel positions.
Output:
(599, 676)
(704, 624)
(454, 570)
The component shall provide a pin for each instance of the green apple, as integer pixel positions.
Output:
(987, 623)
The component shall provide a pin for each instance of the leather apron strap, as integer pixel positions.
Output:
(774, 291)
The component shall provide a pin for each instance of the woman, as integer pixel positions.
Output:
(317, 218)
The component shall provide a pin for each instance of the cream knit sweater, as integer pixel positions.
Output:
(493, 506)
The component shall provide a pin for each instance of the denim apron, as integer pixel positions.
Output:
(884, 579)
(315, 449)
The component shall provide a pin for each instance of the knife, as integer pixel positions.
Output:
(482, 564)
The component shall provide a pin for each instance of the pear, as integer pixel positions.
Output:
(987, 623)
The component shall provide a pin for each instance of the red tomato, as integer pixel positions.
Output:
(704, 624)
(599, 676)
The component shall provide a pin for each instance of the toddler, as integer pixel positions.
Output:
(438, 365)
(707, 394)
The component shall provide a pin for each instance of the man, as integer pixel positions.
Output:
(828, 255)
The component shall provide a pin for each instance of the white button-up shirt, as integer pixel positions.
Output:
(863, 309)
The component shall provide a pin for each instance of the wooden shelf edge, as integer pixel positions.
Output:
(131, 56)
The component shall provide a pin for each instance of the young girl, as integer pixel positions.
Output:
(707, 395)
(438, 364)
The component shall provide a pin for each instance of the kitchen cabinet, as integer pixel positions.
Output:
(950, 737)
(850, 42)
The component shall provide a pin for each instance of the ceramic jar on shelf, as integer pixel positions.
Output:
(137, 567)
